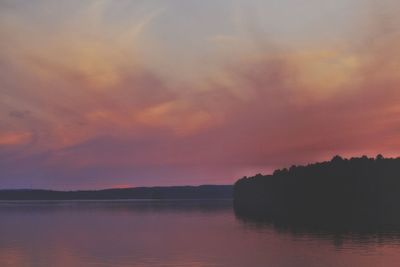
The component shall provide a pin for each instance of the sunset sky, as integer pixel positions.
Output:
(97, 94)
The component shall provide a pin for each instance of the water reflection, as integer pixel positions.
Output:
(362, 231)
(176, 233)
(134, 206)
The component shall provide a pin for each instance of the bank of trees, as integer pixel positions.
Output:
(340, 189)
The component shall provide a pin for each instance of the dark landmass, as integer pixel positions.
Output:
(168, 192)
(342, 195)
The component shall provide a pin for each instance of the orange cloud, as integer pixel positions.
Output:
(99, 108)
(12, 138)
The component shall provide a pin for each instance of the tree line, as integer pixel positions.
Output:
(341, 190)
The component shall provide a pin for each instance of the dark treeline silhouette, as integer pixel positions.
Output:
(357, 194)
(167, 192)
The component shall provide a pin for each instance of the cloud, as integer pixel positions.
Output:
(84, 106)
(13, 138)
(19, 114)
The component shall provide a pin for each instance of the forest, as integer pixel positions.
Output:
(338, 192)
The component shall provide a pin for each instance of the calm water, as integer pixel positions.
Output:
(172, 233)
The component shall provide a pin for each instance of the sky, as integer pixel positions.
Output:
(98, 94)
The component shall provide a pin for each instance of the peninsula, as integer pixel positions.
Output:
(337, 192)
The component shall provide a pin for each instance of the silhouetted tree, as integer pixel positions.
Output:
(339, 189)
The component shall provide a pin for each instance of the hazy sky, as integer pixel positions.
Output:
(98, 94)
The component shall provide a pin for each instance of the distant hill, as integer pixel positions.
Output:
(169, 192)
(338, 192)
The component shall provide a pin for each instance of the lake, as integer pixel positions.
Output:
(188, 233)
